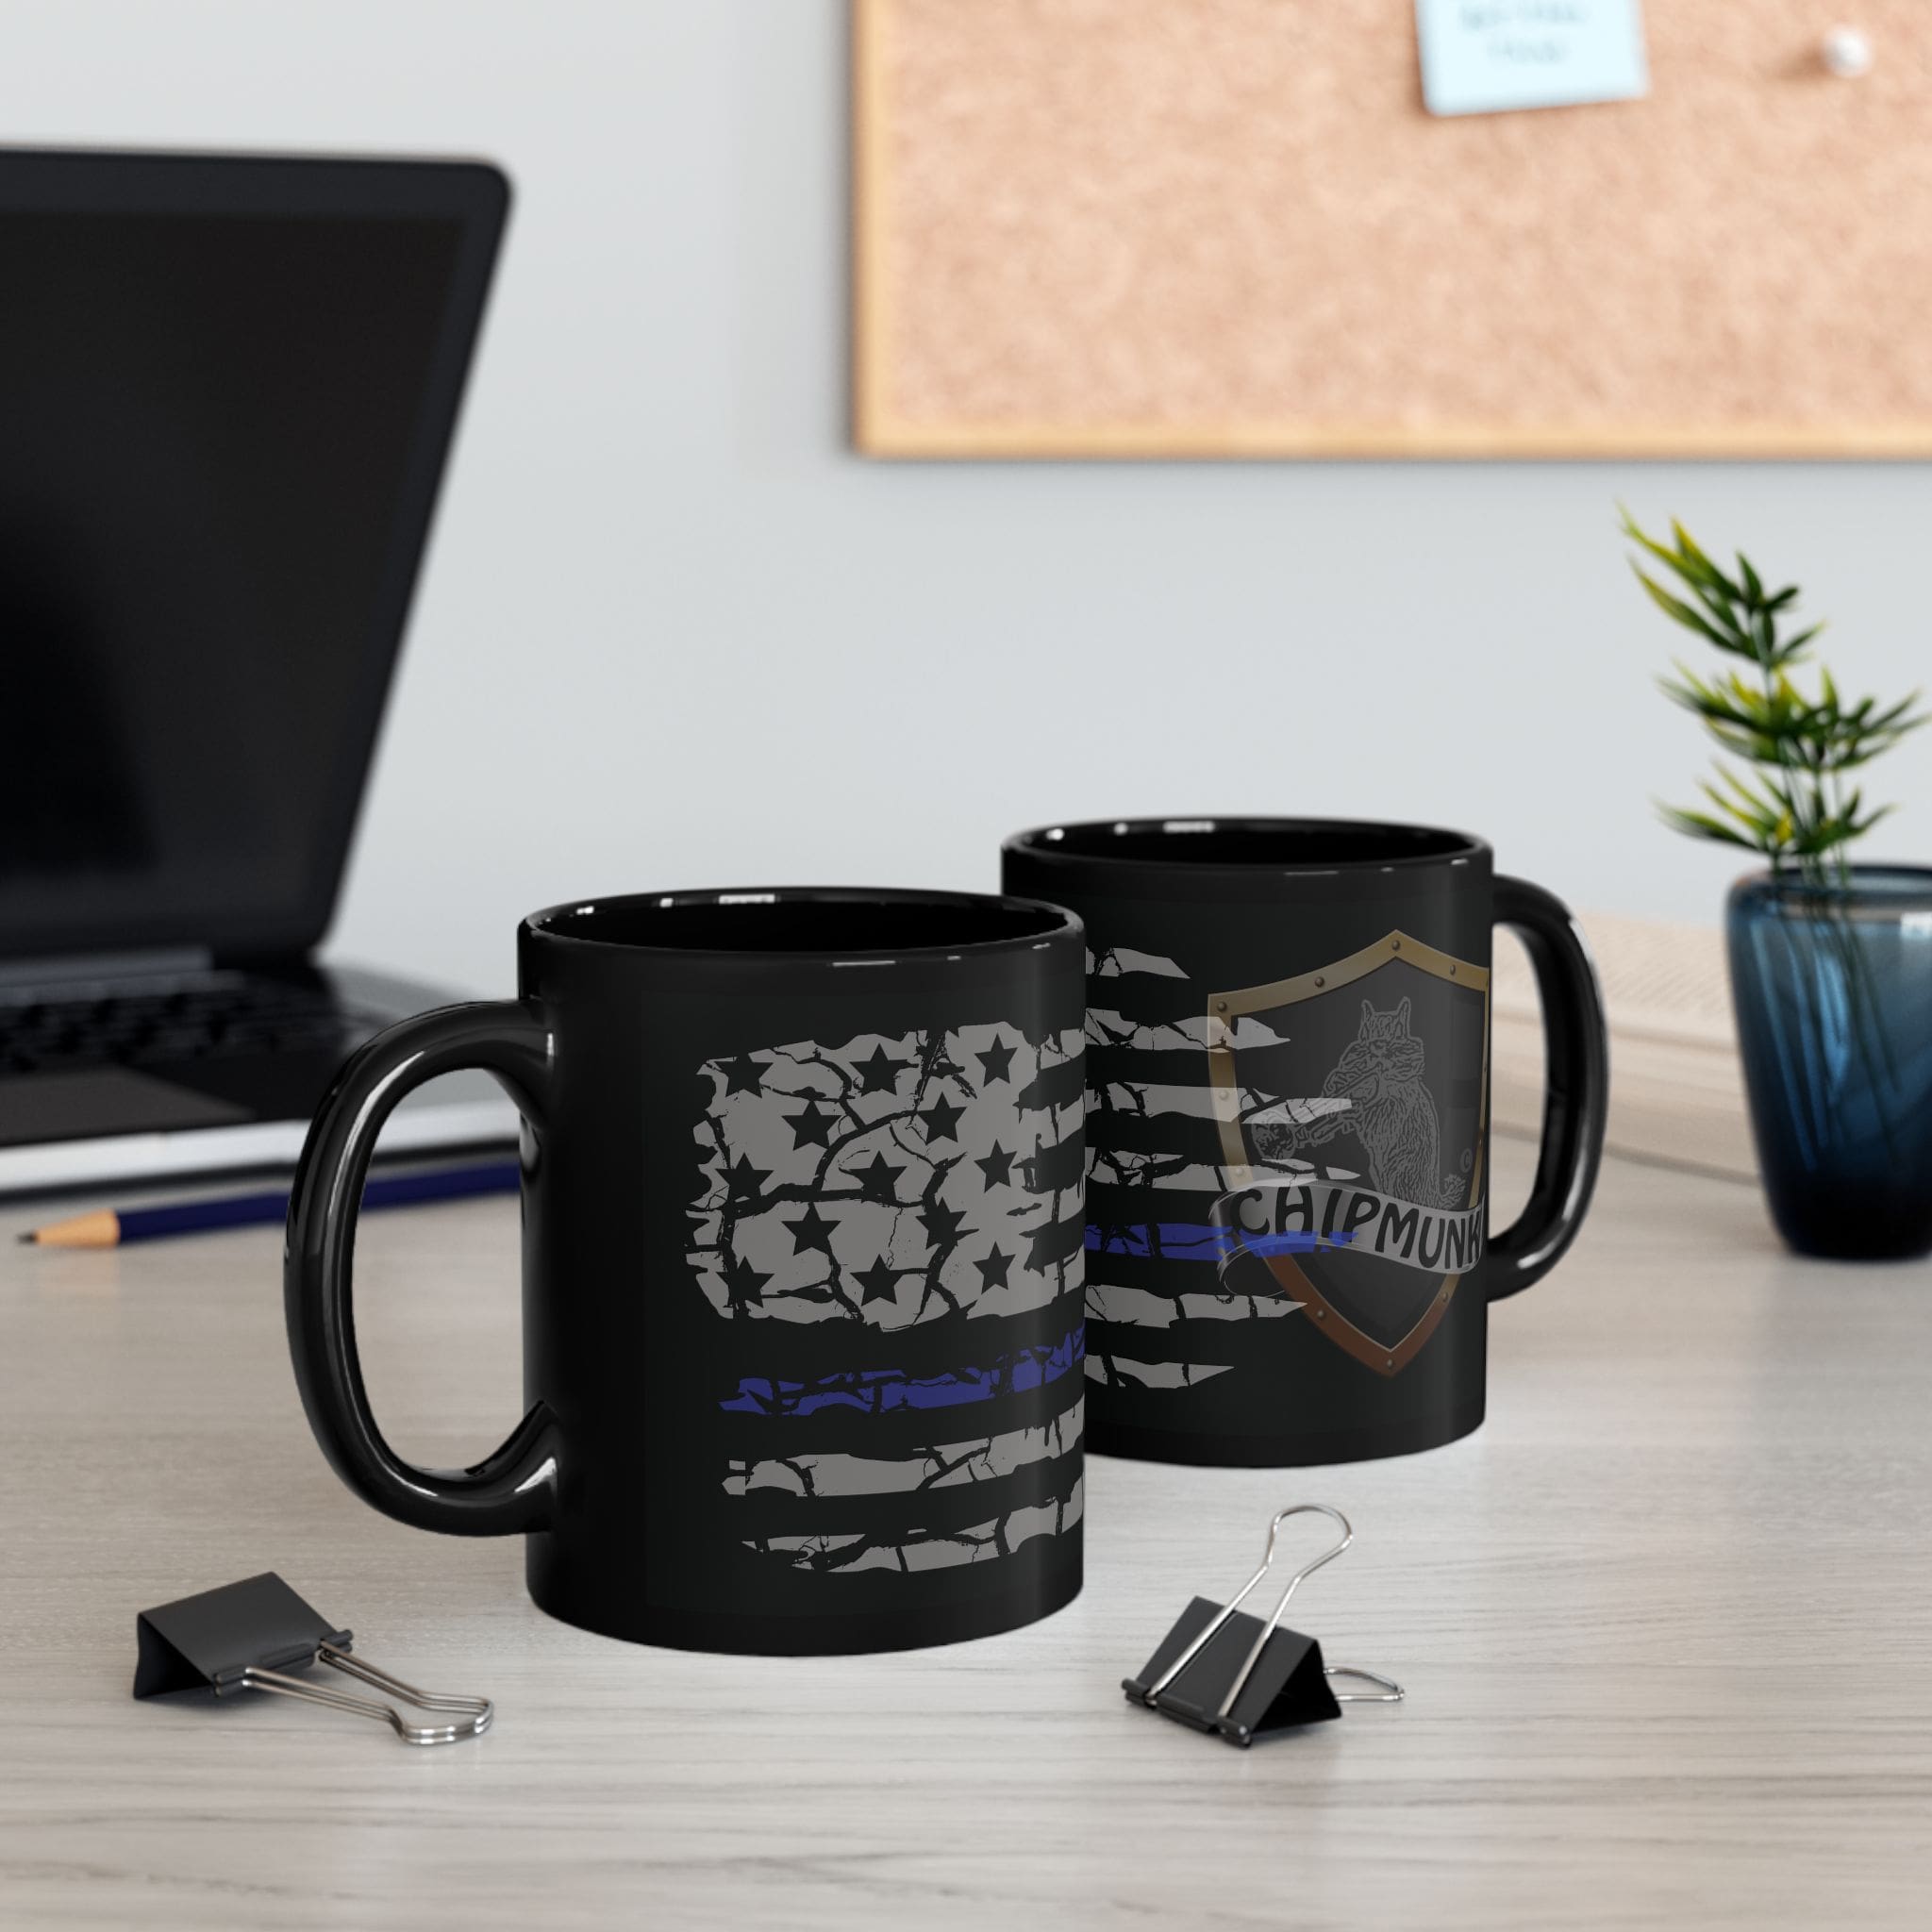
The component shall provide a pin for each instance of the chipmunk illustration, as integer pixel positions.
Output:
(1389, 1111)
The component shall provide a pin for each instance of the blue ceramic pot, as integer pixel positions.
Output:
(1833, 989)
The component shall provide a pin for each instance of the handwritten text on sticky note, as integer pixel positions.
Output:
(1481, 56)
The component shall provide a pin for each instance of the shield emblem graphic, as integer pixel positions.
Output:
(1352, 1103)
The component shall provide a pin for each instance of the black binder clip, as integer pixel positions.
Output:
(1219, 1670)
(249, 1636)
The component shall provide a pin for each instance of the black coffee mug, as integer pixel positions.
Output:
(802, 1246)
(1288, 1116)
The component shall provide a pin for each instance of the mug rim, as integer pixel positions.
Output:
(1050, 923)
(1051, 845)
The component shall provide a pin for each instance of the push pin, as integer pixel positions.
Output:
(252, 1635)
(1846, 53)
(1220, 1670)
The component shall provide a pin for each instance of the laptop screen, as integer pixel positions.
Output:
(221, 422)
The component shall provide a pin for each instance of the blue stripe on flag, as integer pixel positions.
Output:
(1188, 1241)
(879, 1390)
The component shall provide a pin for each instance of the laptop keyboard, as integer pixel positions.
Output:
(212, 1016)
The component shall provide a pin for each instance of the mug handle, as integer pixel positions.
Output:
(1576, 1088)
(512, 1488)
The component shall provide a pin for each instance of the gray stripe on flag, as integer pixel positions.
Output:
(1191, 1035)
(1143, 1310)
(947, 1466)
(979, 1545)
(1131, 1375)
(1118, 960)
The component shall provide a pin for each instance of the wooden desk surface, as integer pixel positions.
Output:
(1666, 1624)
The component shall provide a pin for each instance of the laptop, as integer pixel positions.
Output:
(227, 387)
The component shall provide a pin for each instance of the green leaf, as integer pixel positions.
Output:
(1884, 721)
(1686, 562)
(1697, 825)
(1695, 564)
(1761, 820)
(1676, 608)
(1634, 530)
(1765, 803)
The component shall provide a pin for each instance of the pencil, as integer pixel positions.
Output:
(110, 1227)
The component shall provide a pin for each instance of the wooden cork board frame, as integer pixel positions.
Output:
(1230, 229)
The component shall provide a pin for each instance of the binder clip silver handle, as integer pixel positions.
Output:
(1390, 1692)
(478, 1711)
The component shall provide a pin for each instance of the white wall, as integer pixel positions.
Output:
(672, 633)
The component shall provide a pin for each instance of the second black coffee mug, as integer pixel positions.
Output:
(1288, 1062)
(801, 1250)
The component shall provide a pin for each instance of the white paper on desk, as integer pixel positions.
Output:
(1484, 56)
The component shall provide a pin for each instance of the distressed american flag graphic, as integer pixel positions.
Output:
(918, 1196)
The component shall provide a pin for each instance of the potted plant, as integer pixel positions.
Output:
(1831, 961)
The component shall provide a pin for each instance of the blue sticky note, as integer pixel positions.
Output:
(1482, 56)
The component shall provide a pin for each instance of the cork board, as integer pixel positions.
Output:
(1229, 227)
